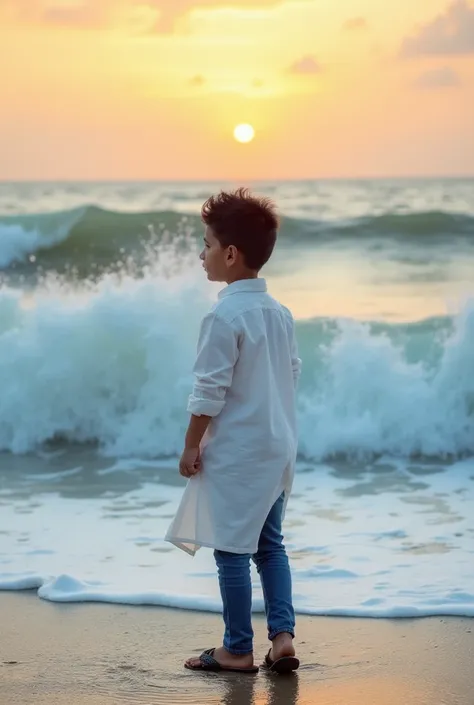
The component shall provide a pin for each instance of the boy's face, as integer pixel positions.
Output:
(217, 260)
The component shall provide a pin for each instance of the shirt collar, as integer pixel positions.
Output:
(244, 285)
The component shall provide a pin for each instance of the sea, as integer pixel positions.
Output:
(101, 296)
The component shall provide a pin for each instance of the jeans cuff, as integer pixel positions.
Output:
(238, 652)
(275, 632)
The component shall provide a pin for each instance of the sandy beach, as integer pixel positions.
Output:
(106, 654)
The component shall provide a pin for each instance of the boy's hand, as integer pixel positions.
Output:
(190, 463)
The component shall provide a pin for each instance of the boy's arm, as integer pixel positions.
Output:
(214, 367)
(196, 429)
(190, 462)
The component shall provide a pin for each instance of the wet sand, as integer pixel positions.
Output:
(91, 654)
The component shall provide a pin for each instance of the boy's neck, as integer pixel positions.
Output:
(242, 276)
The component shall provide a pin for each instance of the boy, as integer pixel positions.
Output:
(241, 443)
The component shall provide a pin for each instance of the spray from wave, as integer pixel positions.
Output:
(110, 362)
(370, 399)
(21, 236)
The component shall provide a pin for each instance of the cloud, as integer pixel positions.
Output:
(197, 81)
(448, 34)
(88, 14)
(79, 14)
(84, 16)
(306, 65)
(434, 79)
(172, 10)
(355, 24)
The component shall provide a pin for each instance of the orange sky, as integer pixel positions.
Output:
(144, 89)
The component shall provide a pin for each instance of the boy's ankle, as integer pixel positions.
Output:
(283, 636)
(282, 645)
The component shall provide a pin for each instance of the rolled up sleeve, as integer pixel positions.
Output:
(217, 355)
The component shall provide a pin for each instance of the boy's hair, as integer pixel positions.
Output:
(248, 222)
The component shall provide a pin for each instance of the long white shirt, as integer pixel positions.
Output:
(246, 372)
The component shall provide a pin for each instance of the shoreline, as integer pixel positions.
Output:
(91, 654)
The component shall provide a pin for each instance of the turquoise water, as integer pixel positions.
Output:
(100, 303)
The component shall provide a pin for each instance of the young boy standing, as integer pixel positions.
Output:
(241, 443)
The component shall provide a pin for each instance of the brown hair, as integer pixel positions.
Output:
(248, 222)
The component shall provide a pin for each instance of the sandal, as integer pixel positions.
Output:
(286, 664)
(209, 663)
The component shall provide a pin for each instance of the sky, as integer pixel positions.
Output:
(152, 89)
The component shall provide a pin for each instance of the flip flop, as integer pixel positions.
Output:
(286, 664)
(209, 663)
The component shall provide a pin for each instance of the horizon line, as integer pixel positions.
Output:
(215, 180)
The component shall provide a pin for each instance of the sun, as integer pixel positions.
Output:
(244, 133)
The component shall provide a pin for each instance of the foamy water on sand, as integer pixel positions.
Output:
(382, 539)
(99, 316)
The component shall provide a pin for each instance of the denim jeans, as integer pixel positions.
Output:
(236, 588)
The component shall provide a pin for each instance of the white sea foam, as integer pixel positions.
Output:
(392, 539)
(20, 238)
(112, 363)
(371, 400)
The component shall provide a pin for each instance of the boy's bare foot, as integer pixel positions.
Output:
(225, 659)
(282, 645)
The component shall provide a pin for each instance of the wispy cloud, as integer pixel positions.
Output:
(83, 14)
(354, 24)
(434, 79)
(170, 11)
(307, 65)
(95, 14)
(450, 33)
(86, 15)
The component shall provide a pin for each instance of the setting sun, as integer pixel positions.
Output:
(244, 133)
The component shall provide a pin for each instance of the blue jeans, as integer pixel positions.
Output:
(236, 587)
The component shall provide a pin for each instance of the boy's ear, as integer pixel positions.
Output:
(231, 254)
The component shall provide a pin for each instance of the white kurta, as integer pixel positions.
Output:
(246, 372)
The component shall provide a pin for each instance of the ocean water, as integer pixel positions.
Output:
(101, 295)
